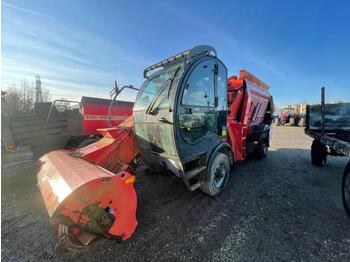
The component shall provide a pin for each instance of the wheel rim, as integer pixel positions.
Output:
(219, 175)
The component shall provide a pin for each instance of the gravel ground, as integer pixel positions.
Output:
(279, 208)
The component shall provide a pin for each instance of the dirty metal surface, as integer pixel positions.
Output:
(79, 194)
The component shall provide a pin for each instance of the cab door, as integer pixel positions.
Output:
(198, 113)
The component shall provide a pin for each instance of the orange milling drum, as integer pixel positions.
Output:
(86, 202)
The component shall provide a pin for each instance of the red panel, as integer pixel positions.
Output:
(95, 116)
(234, 83)
(118, 144)
(234, 96)
(254, 90)
(244, 74)
(235, 140)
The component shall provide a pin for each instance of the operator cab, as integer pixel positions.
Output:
(181, 110)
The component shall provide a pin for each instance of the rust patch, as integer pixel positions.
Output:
(84, 219)
(75, 154)
(96, 219)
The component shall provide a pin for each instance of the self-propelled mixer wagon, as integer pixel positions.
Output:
(189, 118)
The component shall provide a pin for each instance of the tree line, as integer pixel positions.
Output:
(20, 101)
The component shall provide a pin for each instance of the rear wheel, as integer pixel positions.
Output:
(217, 175)
(346, 189)
(318, 153)
(262, 150)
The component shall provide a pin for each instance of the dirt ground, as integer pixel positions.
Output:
(279, 208)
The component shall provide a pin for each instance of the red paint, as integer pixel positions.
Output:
(95, 114)
(70, 182)
(88, 184)
(247, 96)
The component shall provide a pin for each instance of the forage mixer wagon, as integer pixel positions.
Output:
(189, 118)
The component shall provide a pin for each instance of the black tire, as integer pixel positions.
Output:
(346, 189)
(153, 170)
(262, 150)
(87, 142)
(217, 175)
(318, 153)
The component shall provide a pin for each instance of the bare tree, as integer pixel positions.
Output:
(46, 95)
(27, 102)
(20, 101)
(12, 99)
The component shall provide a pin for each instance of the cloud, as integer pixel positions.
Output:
(25, 10)
(270, 67)
(36, 43)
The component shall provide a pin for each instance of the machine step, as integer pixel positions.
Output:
(191, 174)
(195, 186)
(194, 172)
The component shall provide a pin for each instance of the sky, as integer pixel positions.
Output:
(80, 47)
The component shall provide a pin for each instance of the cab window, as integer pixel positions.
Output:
(199, 88)
(222, 88)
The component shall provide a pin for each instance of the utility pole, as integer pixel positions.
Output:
(323, 109)
(38, 92)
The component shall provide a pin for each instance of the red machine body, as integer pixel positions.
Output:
(94, 113)
(248, 99)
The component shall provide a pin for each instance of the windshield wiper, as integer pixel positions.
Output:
(149, 108)
(171, 82)
(152, 109)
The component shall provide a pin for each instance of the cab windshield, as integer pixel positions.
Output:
(158, 83)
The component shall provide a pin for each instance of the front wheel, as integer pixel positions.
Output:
(318, 153)
(346, 189)
(217, 175)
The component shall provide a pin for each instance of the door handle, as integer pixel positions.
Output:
(164, 120)
(216, 101)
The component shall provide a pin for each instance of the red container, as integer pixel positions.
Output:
(95, 113)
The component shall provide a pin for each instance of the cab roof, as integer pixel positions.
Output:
(185, 55)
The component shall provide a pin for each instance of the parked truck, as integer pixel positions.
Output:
(329, 126)
(189, 118)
